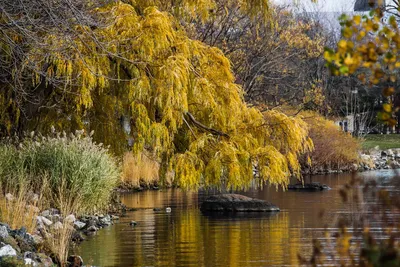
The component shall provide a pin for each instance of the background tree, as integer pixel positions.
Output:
(271, 60)
(369, 47)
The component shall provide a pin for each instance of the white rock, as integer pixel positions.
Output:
(7, 250)
(45, 213)
(168, 209)
(70, 218)
(30, 262)
(3, 232)
(44, 220)
(79, 225)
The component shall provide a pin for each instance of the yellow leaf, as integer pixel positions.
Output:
(387, 108)
(357, 19)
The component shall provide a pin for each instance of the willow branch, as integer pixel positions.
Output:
(205, 128)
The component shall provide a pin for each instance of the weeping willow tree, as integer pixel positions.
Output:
(179, 95)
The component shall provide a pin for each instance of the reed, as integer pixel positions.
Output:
(139, 170)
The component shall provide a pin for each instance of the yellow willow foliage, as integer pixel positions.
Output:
(168, 85)
(204, 9)
(296, 37)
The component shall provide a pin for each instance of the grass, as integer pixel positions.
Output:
(384, 141)
(19, 211)
(139, 170)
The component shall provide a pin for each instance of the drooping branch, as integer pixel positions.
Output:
(205, 128)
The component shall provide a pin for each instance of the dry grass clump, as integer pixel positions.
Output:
(139, 170)
(19, 207)
(19, 211)
(58, 240)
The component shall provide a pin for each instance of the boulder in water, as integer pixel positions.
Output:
(236, 203)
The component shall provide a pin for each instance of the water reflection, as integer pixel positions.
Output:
(185, 237)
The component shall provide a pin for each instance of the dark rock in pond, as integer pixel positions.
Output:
(157, 209)
(77, 237)
(92, 222)
(236, 203)
(132, 209)
(74, 261)
(133, 223)
(308, 187)
(92, 229)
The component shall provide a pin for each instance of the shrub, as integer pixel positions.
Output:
(80, 173)
(333, 148)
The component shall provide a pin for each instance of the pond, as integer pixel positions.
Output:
(186, 237)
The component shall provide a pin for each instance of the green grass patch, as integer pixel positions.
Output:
(384, 141)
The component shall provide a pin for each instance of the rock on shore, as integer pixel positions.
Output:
(380, 159)
(236, 203)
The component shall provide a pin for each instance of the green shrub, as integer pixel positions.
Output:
(79, 173)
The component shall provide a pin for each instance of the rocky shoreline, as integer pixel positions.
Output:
(374, 159)
(18, 247)
(380, 159)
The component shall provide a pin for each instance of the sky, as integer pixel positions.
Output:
(323, 5)
(327, 11)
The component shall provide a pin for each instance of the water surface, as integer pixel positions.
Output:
(186, 237)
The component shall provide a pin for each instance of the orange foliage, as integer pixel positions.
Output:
(333, 148)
